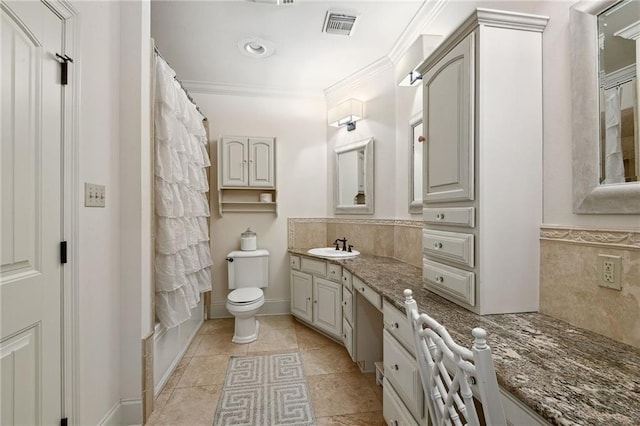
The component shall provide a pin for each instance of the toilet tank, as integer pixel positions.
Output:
(248, 269)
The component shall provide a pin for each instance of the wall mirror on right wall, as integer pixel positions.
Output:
(415, 166)
(605, 48)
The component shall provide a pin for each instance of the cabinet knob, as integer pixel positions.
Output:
(344, 303)
(315, 301)
(439, 278)
(308, 299)
(362, 289)
(437, 245)
(344, 335)
(395, 367)
(394, 423)
(440, 216)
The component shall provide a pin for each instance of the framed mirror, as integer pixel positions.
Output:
(415, 164)
(353, 192)
(605, 41)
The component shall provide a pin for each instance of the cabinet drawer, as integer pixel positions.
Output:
(347, 337)
(295, 262)
(452, 246)
(401, 369)
(452, 281)
(334, 272)
(393, 410)
(368, 293)
(347, 304)
(315, 267)
(397, 324)
(346, 279)
(454, 216)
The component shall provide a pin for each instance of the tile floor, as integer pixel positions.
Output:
(340, 393)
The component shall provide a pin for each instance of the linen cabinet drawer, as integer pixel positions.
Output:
(368, 293)
(315, 267)
(402, 371)
(347, 304)
(334, 272)
(453, 216)
(452, 246)
(452, 281)
(294, 261)
(393, 410)
(397, 324)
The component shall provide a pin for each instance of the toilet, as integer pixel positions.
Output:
(248, 273)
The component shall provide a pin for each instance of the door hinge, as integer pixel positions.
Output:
(64, 68)
(63, 421)
(63, 252)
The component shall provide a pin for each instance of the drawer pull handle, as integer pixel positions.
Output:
(440, 216)
(392, 325)
(437, 245)
(439, 279)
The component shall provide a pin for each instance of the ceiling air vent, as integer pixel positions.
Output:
(339, 23)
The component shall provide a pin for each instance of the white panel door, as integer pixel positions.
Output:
(301, 289)
(448, 123)
(31, 273)
(327, 306)
(262, 162)
(235, 154)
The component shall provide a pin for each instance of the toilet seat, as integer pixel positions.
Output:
(244, 296)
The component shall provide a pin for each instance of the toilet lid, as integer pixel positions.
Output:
(245, 295)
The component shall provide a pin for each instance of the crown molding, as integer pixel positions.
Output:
(242, 90)
(425, 15)
(356, 79)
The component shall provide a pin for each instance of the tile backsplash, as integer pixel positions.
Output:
(569, 287)
(399, 239)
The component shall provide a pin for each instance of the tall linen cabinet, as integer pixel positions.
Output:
(483, 163)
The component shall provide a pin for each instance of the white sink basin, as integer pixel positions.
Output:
(332, 253)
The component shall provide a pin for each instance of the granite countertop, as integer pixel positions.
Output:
(568, 375)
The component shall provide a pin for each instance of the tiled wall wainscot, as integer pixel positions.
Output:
(569, 287)
(398, 239)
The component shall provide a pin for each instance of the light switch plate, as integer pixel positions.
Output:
(94, 195)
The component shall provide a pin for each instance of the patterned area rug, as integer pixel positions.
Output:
(265, 390)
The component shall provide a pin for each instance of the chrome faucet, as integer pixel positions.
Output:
(343, 241)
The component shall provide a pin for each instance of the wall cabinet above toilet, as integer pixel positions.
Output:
(246, 174)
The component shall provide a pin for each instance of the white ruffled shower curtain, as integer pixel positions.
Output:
(183, 257)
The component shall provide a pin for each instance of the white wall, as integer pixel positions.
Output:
(99, 228)
(377, 91)
(135, 195)
(298, 124)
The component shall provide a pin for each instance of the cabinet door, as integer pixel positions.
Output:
(448, 123)
(327, 306)
(234, 153)
(301, 291)
(262, 162)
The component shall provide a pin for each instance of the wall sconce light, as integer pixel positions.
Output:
(406, 74)
(346, 113)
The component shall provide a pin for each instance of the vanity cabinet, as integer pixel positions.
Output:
(403, 397)
(246, 169)
(314, 298)
(482, 186)
(404, 400)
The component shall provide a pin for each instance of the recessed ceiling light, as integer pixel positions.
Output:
(256, 47)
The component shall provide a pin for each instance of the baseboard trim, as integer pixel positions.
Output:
(124, 412)
(270, 307)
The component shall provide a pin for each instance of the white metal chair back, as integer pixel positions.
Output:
(448, 370)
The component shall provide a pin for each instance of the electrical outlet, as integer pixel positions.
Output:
(94, 195)
(609, 271)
